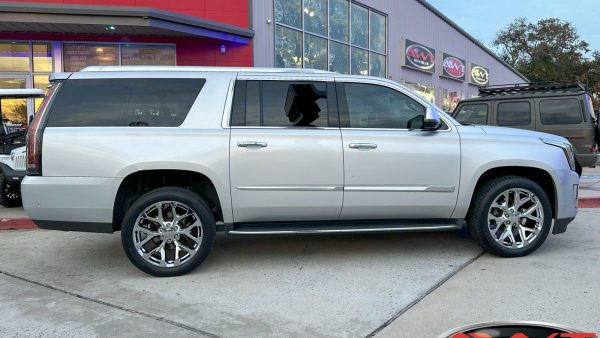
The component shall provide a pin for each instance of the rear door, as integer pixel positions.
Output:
(286, 150)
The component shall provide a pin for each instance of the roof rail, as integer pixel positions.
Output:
(532, 87)
(201, 69)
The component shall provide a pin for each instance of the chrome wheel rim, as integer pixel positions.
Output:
(167, 234)
(515, 218)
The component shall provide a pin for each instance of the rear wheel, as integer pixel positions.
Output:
(168, 232)
(10, 193)
(511, 216)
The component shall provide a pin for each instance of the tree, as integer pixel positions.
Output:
(549, 50)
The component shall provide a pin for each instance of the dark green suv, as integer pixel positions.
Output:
(564, 110)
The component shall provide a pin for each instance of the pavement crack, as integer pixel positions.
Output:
(114, 306)
(425, 294)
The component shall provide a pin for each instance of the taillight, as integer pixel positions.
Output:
(34, 136)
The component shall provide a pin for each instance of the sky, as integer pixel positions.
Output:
(483, 18)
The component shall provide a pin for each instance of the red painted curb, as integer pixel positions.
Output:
(589, 202)
(17, 224)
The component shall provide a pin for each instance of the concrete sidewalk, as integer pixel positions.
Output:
(556, 284)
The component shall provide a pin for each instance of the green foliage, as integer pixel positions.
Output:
(549, 50)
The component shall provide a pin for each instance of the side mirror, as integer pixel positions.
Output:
(432, 119)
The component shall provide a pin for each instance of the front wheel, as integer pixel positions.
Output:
(511, 216)
(168, 232)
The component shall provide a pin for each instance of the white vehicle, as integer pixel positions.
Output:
(12, 151)
(170, 155)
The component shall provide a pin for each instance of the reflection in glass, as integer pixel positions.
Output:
(14, 57)
(377, 32)
(315, 16)
(427, 92)
(14, 111)
(360, 61)
(338, 19)
(40, 82)
(148, 55)
(339, 58)
(288, 12)
(315, 52)
(360, 26)
(288, 48)
(42, 57)
(77, 56)
(377, 65)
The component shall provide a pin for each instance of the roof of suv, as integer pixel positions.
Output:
(202, 69)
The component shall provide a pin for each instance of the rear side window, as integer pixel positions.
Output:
(124, 102)
(281, 104)
(472, 114)
(560, 111)
(514, 113)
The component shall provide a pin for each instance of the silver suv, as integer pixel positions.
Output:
(170, 155)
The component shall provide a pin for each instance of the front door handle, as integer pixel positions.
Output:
(363, 146)
(251, 144)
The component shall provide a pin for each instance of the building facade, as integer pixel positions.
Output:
(408, 41)
(405, 40)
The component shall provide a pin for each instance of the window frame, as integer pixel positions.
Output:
(496, 112)
(580, 109)
(303, 32)
(238, 110)
(461, 106)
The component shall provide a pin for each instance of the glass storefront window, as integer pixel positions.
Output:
(315, 16)
(148, 55)
(339, 58)
(288, 12)
(14, 111)
(14, 57)
(338, 19)
(378, 34)
(377, 65)
(450, 100)
(360, 26)
(315, 52)
(42, 57)
(288, 44)
(40, 82)
(360, 61)
(77, 56)
(427, 92)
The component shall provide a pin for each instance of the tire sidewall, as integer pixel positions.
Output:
(482, 220)
(187, 197)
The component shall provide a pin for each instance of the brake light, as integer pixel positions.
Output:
(34, 136)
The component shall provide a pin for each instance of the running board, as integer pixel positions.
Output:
(296, 228)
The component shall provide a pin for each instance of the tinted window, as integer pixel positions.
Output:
(472, 114)
(514, 114)
(294, 104)
(564, 111)
(372, 106)
(124, 102)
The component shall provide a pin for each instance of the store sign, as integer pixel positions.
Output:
(454, 68)
(479, 75)
(419, 57)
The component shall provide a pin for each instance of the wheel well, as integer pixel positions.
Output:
(139, 183)
(537, 175)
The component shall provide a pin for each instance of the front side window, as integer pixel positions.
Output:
(280, 104)
(514, 113)
(560, 111)
(472, 114)
(124, 102)
(373, 106)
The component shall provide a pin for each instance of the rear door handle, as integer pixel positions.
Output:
(251, 144)
(363, 146)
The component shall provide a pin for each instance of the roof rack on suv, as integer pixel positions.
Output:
(201, 69)
(532, 87)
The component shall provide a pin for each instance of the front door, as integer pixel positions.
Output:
(286, 151)
(392, 168)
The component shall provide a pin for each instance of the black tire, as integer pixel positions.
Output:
(10, 193)
(477, 219)
(189, 199)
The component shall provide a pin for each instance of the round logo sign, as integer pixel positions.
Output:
(420, 57)
(515, 330)
(454, 67)
(480, 75)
